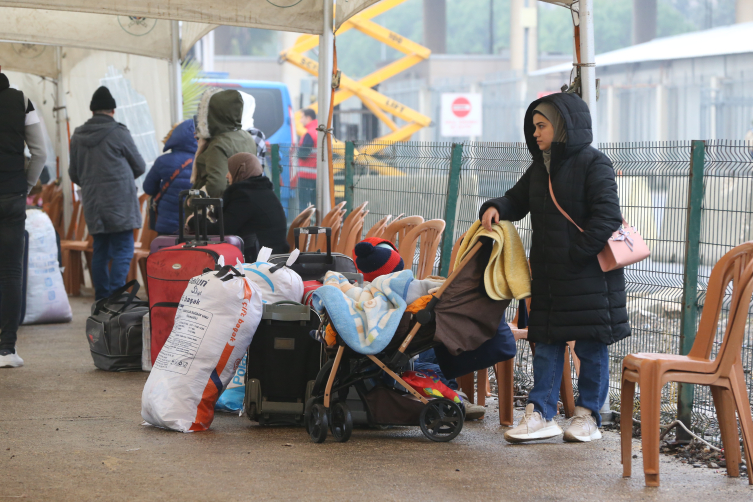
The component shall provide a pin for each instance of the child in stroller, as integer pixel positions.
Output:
(460, 315)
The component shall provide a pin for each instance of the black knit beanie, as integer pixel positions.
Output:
(102, 100)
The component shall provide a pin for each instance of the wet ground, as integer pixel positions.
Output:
(71, 432)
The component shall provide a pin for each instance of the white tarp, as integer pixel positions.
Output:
(130, 34)
(28, 58)
(303, 16)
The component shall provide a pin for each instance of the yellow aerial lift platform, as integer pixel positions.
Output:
(379, 104)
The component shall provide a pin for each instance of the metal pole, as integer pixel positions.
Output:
(588, 68)
(451, 208)
(62, 130)
(349, 184)
(176, 93)
(690, 279)
(326, 42)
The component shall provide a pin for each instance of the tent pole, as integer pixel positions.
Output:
(588, 70)
(61, 118)
(176, 91)
(326, 42)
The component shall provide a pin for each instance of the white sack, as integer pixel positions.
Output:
(46, 299)
(276, 283)
(214, 325)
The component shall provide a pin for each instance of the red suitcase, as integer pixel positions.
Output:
(169, 270)
(308, 288)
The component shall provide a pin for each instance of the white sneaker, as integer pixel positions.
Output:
(583, 428)
(532, 427)
(10, 360)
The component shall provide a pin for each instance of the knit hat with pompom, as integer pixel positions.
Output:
(375, 257)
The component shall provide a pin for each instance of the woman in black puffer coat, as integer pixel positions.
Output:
(572, 299)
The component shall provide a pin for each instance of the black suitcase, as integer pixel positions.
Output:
(282, 365)
(313, 266)
(114, 330)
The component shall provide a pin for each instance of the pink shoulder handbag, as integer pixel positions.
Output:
(625, 247)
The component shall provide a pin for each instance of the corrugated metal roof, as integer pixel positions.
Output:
(735, 39)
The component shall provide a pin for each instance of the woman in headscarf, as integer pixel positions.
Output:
(572, 298)
(250, 206)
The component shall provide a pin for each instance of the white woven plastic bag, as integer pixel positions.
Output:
(276, 282)
(46, 299)
(214, 325)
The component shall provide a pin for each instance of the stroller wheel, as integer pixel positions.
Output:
(341, 422)
(441, 420)
(316, 423)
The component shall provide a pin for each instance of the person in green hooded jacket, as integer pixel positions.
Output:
(220, 135)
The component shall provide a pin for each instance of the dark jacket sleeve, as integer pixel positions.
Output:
(153, 180)
(131, 154)
(604, 210)
(307, 146)
(514, 205)
(73, 162)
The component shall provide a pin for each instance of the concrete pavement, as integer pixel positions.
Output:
(69, 432)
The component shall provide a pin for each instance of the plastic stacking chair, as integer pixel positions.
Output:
(396, 230)
(349, 225)
(333, 220)
(355, 234)
(141, 248)
(302, 220)
(430, 234)
(724, 374)
(379, 227)
(73, 248)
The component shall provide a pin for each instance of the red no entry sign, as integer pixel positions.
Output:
(461, 107)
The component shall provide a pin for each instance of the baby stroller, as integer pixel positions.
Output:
(460, 315)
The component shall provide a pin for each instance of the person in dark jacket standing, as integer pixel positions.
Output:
(19, 124)
(250, 206)
(171, 174)
(105, 164)
(572, 299)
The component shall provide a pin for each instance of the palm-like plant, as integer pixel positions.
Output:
(192, 88)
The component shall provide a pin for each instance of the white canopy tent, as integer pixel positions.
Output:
(304, 16)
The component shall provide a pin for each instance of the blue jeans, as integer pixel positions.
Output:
(593, 381)
(118, 247)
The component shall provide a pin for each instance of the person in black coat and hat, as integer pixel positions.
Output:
(251, 210)
(572, 298)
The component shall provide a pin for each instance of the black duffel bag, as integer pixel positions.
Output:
(114, 330)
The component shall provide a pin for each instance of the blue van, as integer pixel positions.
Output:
(273, 116)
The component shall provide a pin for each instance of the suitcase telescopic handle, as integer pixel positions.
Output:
(217, 204)
(182, 196)
(314, 231)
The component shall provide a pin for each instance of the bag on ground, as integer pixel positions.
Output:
(114, 330)
(46, 299)
(215, 322)
(232, 399)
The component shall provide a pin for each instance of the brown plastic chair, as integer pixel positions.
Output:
(455, 249)
(379, 227)
(724, 374)
(349, 225)
(430, 234)
(354, 236)
(332, 220)
(72, 249)
(302, 220)
(141, 245)
(52, 204)
(396, 230)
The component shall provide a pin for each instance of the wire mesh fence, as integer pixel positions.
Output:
(653, 185)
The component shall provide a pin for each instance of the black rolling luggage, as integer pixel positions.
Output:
(283, 362)
(313, 266)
